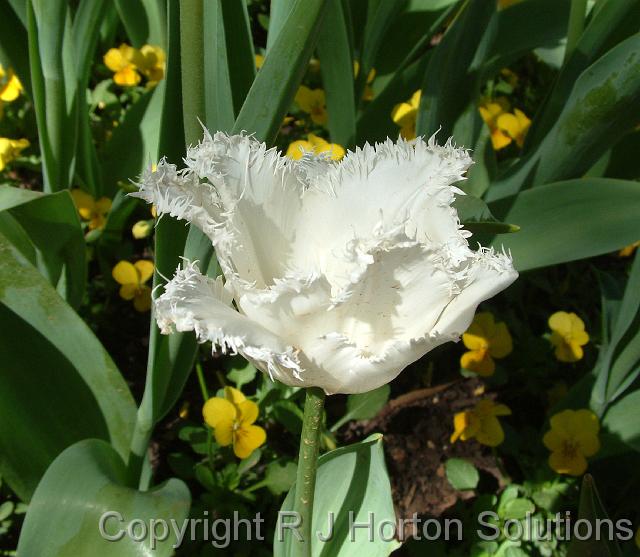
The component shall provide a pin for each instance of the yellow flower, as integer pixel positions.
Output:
(573, 437)
(121, 61)
(367, 95)
(151, 61)
(316, 145)
(91, 210)
(628, 250)
(312, 101)
(481, 423)
(568, 336)
(10, 149)
(405, 115)
(485, 340)
(10, 86)
(231, 419)
(515, 125)
(132, 278)
(259, 59)
(142, 229)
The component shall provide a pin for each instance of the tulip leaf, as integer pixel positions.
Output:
(622, 419)
(86, 481)
(336, 67)
(591, 510)
(619, 362)
(55, 240)
(477, 218)
(275, 85)
(59, 384)
(14, 52)
(352, 481)
(571, 220)
(462, 475)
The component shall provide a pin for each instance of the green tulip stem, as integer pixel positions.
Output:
(307, 467)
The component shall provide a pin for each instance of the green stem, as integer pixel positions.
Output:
(307, 466)
(202, 382)
(577, 16)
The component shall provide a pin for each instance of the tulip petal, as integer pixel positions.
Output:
(193, 302)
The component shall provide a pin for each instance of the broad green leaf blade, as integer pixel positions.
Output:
(592, 510)
(612, 22)
(620, 358)
(85, 482)
(566, 221)
(476, 217)
(622, 419)
(134, 143)
(336, 68)
(277, 81)
(144, 21)
(594, 117)
(229, 65)
(51, 222)
(59, 384)
(350, 479)
(364, 406)
(449, 85)
(279, 11)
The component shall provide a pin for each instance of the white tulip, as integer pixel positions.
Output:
(342, 273)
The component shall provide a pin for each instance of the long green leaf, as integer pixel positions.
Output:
(449, 84)
(14, 53)
(352, 484)
(336, 67)
(277, 81)
(52, 225)
(144, 21)
(58, 385)
(85, 482)
(229, 65)
(55, 84)
(570, 220)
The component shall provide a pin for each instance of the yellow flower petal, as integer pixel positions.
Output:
(142, 300)
(499, 139)
(234, 395)
(223, 432)
(127, 76)
(560, 322)
(247, 439)
(501, 343)
(142, 229)
(218, 410)
(10, 149)
(11, 89)
(259, 60)
(478, 361)
(247, 412)
(565, 463)
(128, 291)
(103, 205)
(84, 202)
(145, 270)
(297, 149)
(490, 432)
(125, 273)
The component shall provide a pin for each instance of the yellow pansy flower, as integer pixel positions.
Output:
(480, 423)
(490, 112)
(232, 420)
(132, 278)
(259, 60)
(312, 101)
(405, 115)
(92, 210)
(628, 251)
(515, 125)
(568, 336)
(316, 145)
(151, 61)
(10, 86)
(485, 340)
(122, 61)
(572, 438)
(142, 229)
(10, 149)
